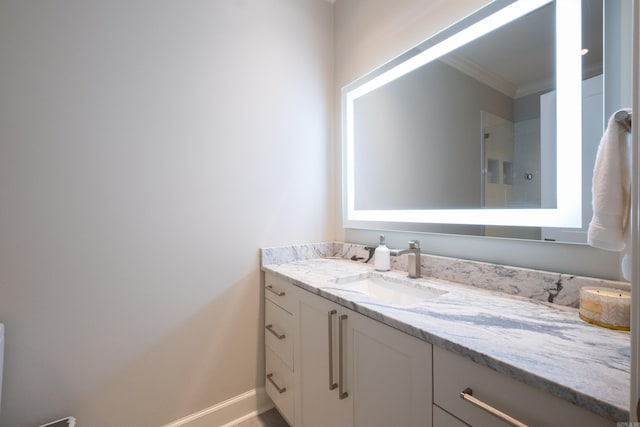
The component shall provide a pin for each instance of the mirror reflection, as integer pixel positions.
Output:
(476, 128)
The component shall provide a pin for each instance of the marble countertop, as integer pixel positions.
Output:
(538, 343)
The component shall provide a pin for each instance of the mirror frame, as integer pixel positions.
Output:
(568, 121)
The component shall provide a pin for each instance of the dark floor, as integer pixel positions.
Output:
(271, 418)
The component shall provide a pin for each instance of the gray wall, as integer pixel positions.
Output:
(148, 149)
(423, 128)
(371, 32)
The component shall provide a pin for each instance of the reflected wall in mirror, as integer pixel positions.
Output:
(466, 142)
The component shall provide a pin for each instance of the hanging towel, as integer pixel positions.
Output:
(609, 226)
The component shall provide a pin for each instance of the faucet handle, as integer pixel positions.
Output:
(414, 244)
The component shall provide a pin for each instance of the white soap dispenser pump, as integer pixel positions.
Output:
(382, 256)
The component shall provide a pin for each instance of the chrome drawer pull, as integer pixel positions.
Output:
(271, 380)
(467, 394)
(275, 291)
(341, 393)
(277, 335)
(332, 384)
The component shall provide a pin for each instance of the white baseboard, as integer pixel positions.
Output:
(229, 412)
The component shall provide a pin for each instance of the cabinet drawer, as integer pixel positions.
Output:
(279, 330)
(442, 418)
(452, 374)
(279, 384)
(280, 292)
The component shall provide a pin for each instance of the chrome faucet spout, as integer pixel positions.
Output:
(413, 269)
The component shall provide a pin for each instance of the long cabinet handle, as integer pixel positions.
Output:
(467, 394)
(332, 384)
(275, 384)
(341, 393)
(277, 335)
(275, 291)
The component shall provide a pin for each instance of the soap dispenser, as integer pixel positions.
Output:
(382, 256)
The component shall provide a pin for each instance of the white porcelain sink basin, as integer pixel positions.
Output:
(391, 292)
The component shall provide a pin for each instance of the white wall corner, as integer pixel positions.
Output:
(229, 412)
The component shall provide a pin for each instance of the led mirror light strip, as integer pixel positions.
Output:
(569, 135)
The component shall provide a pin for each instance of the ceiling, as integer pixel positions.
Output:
(518, 59)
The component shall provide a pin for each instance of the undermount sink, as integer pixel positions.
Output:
(391, 292)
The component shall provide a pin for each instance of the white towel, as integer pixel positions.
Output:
(609, 227)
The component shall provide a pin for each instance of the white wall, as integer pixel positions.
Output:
(369, 33)
(148, 149)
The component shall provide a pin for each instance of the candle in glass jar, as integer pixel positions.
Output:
(610, 308)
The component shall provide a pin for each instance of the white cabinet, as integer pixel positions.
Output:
(319, 402)
(392, 384)
(442, 418)
(280, 331)
(280, 385)
(453, 374)
(281, 293)
(328, 366)
(355, 371)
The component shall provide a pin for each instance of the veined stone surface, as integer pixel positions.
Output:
(498, 316)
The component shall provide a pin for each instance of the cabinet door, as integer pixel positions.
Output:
(386, 374)
(528, 405)
(319, 404)
(391, 375)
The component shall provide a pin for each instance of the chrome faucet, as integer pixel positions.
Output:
(414, 258)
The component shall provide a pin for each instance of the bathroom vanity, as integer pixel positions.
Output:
(348, 346)
(346, 365)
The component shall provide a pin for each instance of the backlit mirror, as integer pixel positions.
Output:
(479, 130)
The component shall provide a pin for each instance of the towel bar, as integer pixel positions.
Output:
(624, 118)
